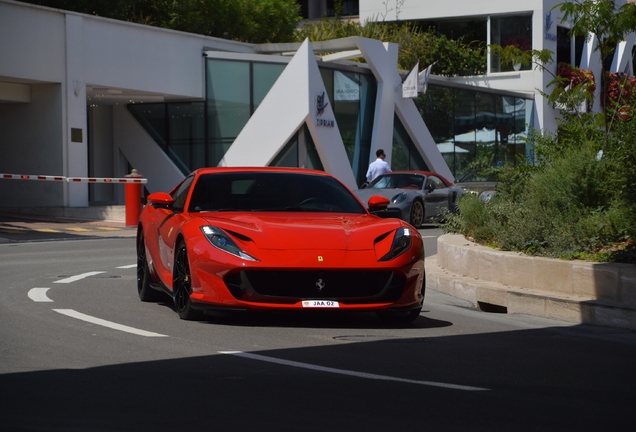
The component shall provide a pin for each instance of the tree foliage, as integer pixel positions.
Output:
(454, 57)
(606, 22)
(578, 198)
(256, 21)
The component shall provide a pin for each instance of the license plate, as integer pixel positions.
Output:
(320, 304)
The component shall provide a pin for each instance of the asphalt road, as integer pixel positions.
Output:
(80, 352)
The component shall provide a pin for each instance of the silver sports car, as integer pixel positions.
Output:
(416, 196)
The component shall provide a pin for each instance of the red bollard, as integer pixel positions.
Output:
(133, 200)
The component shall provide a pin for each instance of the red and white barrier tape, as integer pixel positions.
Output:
(74, 179)
(32, 177)
(105, 180)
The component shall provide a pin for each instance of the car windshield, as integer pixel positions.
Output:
(401, 181)
(271, 191)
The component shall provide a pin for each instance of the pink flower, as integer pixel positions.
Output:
(519, 41)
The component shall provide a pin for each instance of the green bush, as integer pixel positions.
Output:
(570, 207)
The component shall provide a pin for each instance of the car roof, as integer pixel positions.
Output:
(216, 170)
(424, 173)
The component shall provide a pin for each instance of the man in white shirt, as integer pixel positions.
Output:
(378, 167)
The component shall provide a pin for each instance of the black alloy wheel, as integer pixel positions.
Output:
(182, 286)
(145, 291)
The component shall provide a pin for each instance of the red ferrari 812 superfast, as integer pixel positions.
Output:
(240, 239)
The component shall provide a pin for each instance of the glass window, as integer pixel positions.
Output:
(273, 192)
(517, 107)
(180, 194)
(569, 49)
(300, 151)
(404, 155)
(327, 78)
(436, 108)
(288, 156)
(304, 8)
(186, 127)
(510, 30)
(353, 98)
(564, 46)
(395, 180)
(264, 76)
(346, 104)
(347, 7)
(153, 119)
(466, 129)
(504, 126)
(470, 125)
(368, 91)
(313, 158)
(439, 184)
(473, 30)
(228, 104)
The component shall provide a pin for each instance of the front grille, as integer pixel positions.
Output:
(293, 286)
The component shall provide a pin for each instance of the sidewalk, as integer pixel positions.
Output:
(20, 226)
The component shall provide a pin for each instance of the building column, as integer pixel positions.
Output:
(75, 149)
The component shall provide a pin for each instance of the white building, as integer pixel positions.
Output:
(84, 96)
(498, 21)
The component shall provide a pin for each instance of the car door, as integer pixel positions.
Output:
(166, 226)
(436, 196)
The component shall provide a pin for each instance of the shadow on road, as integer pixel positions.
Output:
(536, 380)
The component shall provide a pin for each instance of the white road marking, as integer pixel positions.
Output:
(128, 266)
(78, 277)
(349, 372)
(39, 295)
(78, 315)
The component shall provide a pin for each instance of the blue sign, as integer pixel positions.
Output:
(321, 104)
(547, 26)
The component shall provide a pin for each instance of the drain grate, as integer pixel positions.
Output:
(492, 308)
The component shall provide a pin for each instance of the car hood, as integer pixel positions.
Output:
(304, 231)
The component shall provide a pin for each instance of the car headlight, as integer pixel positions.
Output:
(398, 198)
(221, 240)
(401, 243)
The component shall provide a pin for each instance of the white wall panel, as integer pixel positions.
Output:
(385, 10)
(31, 143)
(31, 43)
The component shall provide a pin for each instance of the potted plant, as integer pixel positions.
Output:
(521, 44)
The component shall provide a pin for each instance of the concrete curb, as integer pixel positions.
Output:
(573, 291)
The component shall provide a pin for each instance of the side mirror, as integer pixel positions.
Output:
(431, 187)
(162, 199)
(378, 203)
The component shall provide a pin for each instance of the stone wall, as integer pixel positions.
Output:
(575, 291)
